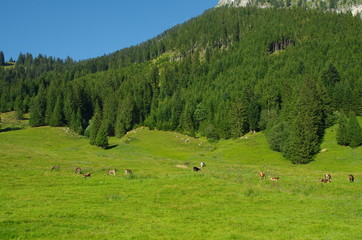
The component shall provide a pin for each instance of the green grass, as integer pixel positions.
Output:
(225, 201)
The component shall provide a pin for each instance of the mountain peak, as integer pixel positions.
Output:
(340, 6)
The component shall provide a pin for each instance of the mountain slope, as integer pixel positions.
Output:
(220, 75)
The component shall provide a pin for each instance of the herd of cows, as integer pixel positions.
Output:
(327, 178)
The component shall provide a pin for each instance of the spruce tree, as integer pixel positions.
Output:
(124, 117)
(238, 119)
(56, 118)
(37, 109)
(96, 124)
(102, 138)
(342, 131)
(354, 131)
(303, 142)
(2, 58)
(19, 108)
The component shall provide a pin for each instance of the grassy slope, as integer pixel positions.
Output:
(225, 201)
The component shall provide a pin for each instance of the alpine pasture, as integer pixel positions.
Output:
(226, 200)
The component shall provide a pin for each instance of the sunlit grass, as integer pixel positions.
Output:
(161, 201)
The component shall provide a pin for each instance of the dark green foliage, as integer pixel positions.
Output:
(343, 137)
(213, 76)
(57, 118)
(124, 116)
(278, 136)
(349, 132)
(303, 142)
(307, 120)
(2, 58)
(38, 108)
(355, 132)
(102, 139)
(19, 108)
(95, 125)
(238, 117)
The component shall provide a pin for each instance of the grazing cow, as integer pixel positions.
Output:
(112, 172)
(261, 175)
(87, 175)
(55, 168)
(274, 178)
(325, 180)
(128, 171)
(351, 178)
(328, 177)
(78, 170)
(202, 164)
(196, 169)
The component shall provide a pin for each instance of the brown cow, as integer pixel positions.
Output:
(196, 169)
(87, 175)
(351, 178)
(112, 172)
(274, 178)
(261, 175)
(128, 171)
(78, 170)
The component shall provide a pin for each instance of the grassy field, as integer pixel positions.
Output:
(161, 201)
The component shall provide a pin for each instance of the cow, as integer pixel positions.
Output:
(78, 170)
(274, 178)
(325, 180)
(87, 175)
(261, 175)
(128, 172)
(196, 169)
(202, 164)
(112, 172)
(351, 178)
(328, 177)
(55, 168)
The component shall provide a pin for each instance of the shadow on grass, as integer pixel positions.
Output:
(112, 146)
(10, 129)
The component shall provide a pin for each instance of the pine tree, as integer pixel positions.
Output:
(56, 118)
(354, 131)
(308, 124)
(2, 58)
(238, 119)
(303, 142)
(95, 125)
(124, 117)
(102, 138)
(19, 107)
(37, 109)
(342, 131)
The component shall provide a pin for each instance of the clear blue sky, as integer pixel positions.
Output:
(84, 29)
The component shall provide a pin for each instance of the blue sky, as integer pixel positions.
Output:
(84, 29)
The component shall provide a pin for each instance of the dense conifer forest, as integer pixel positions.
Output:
(288, 72)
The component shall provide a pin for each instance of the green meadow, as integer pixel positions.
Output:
(226, 200)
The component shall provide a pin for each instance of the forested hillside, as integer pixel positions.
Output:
(290, 72)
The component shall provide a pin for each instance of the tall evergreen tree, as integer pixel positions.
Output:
(37, 109)
(2, 58)
(124, 116)
(342, 131)
(56, 118)
(354, 131)
(102, 139)
(238, 119)
(95, 125)
(303, 142)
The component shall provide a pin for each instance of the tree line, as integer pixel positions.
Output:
(215, 76)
